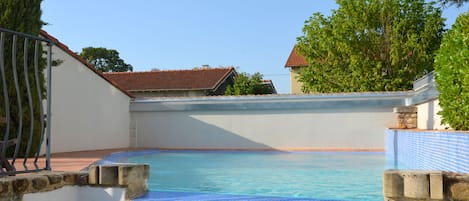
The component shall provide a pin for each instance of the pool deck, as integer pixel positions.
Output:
(76, 161)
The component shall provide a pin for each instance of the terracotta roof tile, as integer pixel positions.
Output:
(295, 59)
(83, 61)
(196, 79)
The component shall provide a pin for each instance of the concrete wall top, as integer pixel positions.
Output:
(274, 102)
(424, 90)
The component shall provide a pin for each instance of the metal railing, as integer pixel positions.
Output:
(25, 102)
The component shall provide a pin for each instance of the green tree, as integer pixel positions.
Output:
(245, 84)
(21, 16)
(105, 60)
(370, 45)
(452, 75)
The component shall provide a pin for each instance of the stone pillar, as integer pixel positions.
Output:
(416, 185)
(393, 184)
(406, 117)
(133, 177)
(436, 186)
(420, 185)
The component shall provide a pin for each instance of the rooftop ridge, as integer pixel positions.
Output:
(172, 70)
(295, 59)
(383, 94)
(82, 60)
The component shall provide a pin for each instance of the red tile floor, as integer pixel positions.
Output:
(71, 161)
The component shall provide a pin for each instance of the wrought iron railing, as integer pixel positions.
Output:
(25, 102)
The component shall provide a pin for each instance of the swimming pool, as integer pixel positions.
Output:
(348, 176)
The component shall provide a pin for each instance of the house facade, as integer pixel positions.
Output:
(295, 63)
(175, 83)
(81, 99)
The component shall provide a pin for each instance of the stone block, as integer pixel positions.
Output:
(134, 177)
(460, 191)
(5, 187)
(55, 178)
(21, 185)
(40, 183)
(82, 179)
(393, 185)
(405, 109)
(436, 186)
(93, 174)
(416, 184)
(70, 178)
(412, 125)
(108, 175)
(411, 121)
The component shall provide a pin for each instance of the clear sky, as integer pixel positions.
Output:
(252, 35)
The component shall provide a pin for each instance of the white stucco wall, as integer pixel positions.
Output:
(331, 129)
(78, 193)
(88, 113)
(427, 116)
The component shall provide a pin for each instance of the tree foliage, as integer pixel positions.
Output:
(21, 16)
(105, 60)
(245, 84)
(452, 74)
(370, 45)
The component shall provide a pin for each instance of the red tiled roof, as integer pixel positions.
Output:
(83, 61)
(197, 79)
(295, 59)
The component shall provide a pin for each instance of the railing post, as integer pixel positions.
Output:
(11, 73)
(49, 90)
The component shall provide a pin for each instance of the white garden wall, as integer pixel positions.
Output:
(79, 193)
(427, 103)
(339, 122)
(88, 112)
(428, 117)
(289, 129)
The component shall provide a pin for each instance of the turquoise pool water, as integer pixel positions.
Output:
(311, 175)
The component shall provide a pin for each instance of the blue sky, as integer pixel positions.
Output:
(252, 35)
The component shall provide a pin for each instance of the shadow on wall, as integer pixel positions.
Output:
(341, 129)
(186, 132)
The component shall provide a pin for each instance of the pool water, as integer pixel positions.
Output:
(316, 175)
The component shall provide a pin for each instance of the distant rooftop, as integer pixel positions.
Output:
(195, 79)
(271, 86)
(295, 59)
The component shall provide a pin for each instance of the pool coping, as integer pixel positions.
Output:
(121, 156)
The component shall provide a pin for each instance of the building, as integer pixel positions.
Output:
(270, 85)
(295, 62)
(81, 97)
(194, 82)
